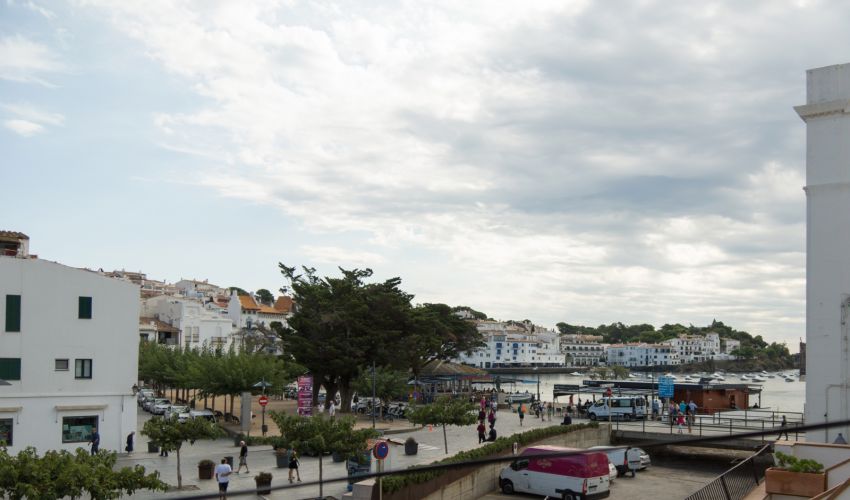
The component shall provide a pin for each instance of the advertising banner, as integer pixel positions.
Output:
(305, 395)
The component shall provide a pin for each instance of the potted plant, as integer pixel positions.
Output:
(282, 457)
(795, 476)
(411, 447)
(205, 469)
(264, 483)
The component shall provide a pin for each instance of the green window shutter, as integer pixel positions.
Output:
(10, 368)
(85, 308)
(13, 313)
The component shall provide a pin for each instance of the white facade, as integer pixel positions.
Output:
(695, 348)
(197, 324)
(199, 289)
(827, 248)
(730, 345)
(642, 355)
(74, 371)
(582, 350)
(245, 312)
(515, 344)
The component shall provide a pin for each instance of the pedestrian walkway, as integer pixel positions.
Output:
(262, 458)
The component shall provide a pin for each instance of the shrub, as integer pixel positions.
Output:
(500, 445)
(206, 463)
(794, 464)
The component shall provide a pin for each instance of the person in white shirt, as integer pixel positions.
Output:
(332, 409)
(222, 475)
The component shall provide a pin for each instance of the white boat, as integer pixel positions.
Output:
(717, 376)
(759, 379)
(770, 375)
(670, 375)
(576, 374)
(789, 379)
(744, 376)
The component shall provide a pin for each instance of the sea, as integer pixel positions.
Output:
(777, 394)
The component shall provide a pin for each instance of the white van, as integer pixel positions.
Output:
(581, 475)
(628, 408)
(205, 414)
(625, 459)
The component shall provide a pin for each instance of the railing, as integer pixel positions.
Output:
(726, 423)
(737, 482)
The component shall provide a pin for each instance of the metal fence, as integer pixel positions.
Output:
(739, 481)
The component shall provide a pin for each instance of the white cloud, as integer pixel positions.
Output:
(343, 257)
(23, 60)
(23, 127)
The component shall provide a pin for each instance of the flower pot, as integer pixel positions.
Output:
(264, 486)
(282, 462)
(802, 484)
(411, 447)
(205, 471)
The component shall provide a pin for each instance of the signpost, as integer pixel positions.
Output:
(264, 400)
(665, 387)
(380, 451)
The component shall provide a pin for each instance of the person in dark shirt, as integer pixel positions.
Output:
(243, 457)
(95, 441)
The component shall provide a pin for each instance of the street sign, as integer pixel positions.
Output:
(665, 387)
(381, 450)
(264, 400)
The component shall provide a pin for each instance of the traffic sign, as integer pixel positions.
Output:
(381, 450)
(264, 400)
(665, 387)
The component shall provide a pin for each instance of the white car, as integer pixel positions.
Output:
(624, 459)
(161, 407)
(175, 410)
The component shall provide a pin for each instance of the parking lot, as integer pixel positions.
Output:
(670, 479)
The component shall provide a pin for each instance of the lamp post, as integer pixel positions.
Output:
(537, 371)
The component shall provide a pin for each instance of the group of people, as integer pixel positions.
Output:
(487, 412)
(682, 414)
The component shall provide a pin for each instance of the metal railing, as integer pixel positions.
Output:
(719, 424)
(737, 482)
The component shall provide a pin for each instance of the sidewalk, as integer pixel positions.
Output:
(262, 459)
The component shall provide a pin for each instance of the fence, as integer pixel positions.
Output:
(739, 481)
(725, 423)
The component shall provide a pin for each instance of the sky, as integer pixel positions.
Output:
(577, 161)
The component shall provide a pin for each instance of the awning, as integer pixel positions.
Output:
(80, 407)
(10, 409)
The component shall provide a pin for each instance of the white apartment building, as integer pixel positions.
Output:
(197, 325)
(695, 348)
(244, 312)
(515, 344)
(582, 350)
(69, 352)
(730, 345)
(642, 355)
(199, 289)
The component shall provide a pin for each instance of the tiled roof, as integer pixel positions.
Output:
(264, 309)
(283, 304)
(158, 325)
(248, 303)
(13, 234)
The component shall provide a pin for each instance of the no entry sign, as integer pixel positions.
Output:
(264, 400)
(381, 450)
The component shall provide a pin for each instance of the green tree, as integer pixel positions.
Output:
(389, 383)
(320, 435)
(170, 434)
(264, 296)
(620, 372)
(432, 332)
(444, 411)
(61, 474)
(238, 290)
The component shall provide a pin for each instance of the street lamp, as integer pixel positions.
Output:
(537, 371)
(263, 384)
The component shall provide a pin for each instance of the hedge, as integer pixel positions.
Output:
(397, 482)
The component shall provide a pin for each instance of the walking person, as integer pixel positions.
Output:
(481, 435)
(481, 416)
(680, 420)
(293, 466)
(95, 441)
(163, 452)
(783, 428)
(521, 412)
(491, 418)
(243, 457)
(129, 447)
(222, 475)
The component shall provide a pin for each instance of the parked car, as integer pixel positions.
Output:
(205, 414)
(175, 410)
(582, 475)
(150, 403)
(612, 471)
(625, 459)
(628, 408)
(161, 407)
(143, 394)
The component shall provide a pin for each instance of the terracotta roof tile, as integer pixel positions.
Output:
(248, 303)
(13, 234)
(283, 304)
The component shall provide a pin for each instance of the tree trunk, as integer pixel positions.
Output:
(345, 395)
(179, 475)
(213, 403)
(231, 404)
(445, 439)
(330, 392)
(317, 384)
(321, 493)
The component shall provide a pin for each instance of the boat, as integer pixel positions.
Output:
(744, 376)
(717, 376)
(789, 379)
(576, 374)
(758, 378)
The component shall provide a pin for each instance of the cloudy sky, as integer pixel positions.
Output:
(587, 162)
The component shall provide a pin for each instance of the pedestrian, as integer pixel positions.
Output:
(680, 421)
(129, 447)
(243, 457)
(222, 475)
(491, 418)
(550, 410)
(162, 451)
(481, 416)
(689, 419)
(481, 436)
(492, 435)
(521, 411)
(293, 466)
(655, 408)
(672, 414)
(682, 407)
(783, 428)
(95, 441)
(332, 410)
(693, 408)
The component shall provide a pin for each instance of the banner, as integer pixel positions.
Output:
(305, 395)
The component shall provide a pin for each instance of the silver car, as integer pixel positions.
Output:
(161, 407)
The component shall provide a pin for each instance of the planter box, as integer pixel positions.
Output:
(281, 461)
(801, 484)
(205, 472)
(263, 487)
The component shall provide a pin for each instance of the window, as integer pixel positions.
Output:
(82, 368)
(13, 313)
(61, 365)
(85, 308)
(78, 429)
(6, 431)
(10, 368)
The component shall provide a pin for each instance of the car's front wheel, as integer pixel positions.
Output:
(591, 416)
(507, 486)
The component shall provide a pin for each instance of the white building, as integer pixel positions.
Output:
(244, 312)
(582, 350)
(197, 324)
(199, 289)
(642, 355)
(827, 117)
(730, 345)
(69, 346)
(515, 344)
(696, 348)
